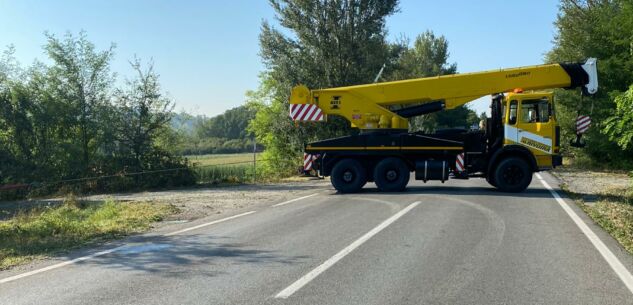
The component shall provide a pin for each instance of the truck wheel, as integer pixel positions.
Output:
(391, 175)
(491, 180)
(348, 176)
(512, 175)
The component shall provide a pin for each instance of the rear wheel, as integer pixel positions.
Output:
(391, 175)
(348, 176)
(512, 175)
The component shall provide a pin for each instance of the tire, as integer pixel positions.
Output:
(512, 175)
(348, 176)
(491, 180)
(391, 175)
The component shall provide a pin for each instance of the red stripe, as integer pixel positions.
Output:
(308, 113)
(582, 120)
(300, 112)
(586, 125)
(460, 162)
(308, 108)
(320, 117)
(294, 114)
(295, 110)
(315, 114)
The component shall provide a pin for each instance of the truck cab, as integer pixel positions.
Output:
(529, 120)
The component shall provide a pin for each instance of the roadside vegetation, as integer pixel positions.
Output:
(47, 231)
(606, 196)
(66, 119)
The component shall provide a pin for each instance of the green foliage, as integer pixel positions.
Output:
(602, 29)
(429, 57)
(332, 43)
(231, 124)
(66, 121)
(222, 134)
(619, 127)
(49, 230)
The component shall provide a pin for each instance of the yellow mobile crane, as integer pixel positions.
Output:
(521, 137)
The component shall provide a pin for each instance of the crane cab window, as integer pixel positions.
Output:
(535, 111)
(512, 114)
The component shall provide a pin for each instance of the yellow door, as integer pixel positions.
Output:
(535, 127)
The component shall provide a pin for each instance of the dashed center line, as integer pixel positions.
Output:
(293, 200)
(294, 287)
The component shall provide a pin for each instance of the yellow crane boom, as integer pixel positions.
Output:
(388, 104)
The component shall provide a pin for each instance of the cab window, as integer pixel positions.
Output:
(512, 116)
(535, 111)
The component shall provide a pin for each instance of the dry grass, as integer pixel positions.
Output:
(607, 197)
(41, 232)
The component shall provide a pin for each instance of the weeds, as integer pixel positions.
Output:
(46, 231)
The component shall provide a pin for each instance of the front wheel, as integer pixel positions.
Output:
(391, 175)
(348, 176)
(512, 175)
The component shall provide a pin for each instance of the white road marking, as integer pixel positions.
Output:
(62, 264)
(293, 200)
(104, 252)
(613, 261)
(294, 287)
(208, 223)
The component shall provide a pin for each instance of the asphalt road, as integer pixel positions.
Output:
(456, 243)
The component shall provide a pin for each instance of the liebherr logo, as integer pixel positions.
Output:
(535, 144)
(524, 73)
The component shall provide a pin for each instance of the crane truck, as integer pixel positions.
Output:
(521, 137)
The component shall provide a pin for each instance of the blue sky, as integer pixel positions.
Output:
(207, 51)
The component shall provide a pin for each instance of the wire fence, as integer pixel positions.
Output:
(229, 172)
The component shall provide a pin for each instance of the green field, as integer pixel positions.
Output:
(220, 159)
(221, 168)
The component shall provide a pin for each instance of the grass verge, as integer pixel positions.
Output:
(42, 232)
(612, 209)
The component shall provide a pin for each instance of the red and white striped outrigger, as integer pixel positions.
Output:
(308, 160)
(459, 163)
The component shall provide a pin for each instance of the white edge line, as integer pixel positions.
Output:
(62, 264)
(294, 287)
(104, 252)
(611, 259)
(208, 223)
(293, 200)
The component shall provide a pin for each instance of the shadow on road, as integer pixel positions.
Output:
(186, 256)
(459, 191)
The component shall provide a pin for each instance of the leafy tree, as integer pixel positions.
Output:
(429, 57)
(331, 43)
(619, 127)
(602, 29)
(143, 113)
(231, 124)
(82, 80)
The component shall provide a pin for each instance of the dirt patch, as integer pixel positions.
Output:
(194, 202)
(593, 183)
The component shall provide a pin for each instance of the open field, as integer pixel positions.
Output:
(204, 160)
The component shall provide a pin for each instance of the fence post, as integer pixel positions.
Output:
(254, 161)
